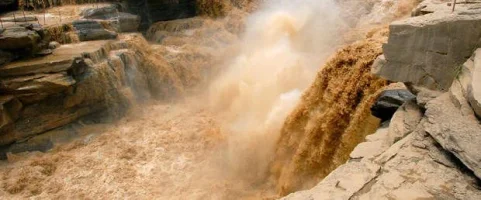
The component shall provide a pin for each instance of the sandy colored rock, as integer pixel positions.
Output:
(64, 58)
(474, 87)
(428, 50)
(92, 30)
(404, 121)
(18, 38)
(458, 134)
(342, 183)
(39, 83)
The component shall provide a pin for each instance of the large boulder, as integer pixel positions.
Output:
(428, 50)
(474, 86)
(413, 168)
(458, 133)
(123, 22)
(52, 91)
(9, 110)
(92, 30)
(100, 13)
(389, 101)
(19, 38)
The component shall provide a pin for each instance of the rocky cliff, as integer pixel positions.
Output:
(95, 76)
(428, 150)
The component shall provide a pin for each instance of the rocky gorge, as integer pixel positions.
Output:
(225, 103)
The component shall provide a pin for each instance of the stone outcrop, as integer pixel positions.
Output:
(121, 21)
(77, 80)
(94, 81)
(457, 133)
(23, 41)
(428, 50)
(389, 101)
(430, 148)
(414, 167)
(88, 30)
(19, 38)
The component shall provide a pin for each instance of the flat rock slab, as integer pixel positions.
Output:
(88, 30)
(60, 60)
(428, 50)
(38, 83)
(17, 37)
(342, 183)
(455, 132)
(100, 13)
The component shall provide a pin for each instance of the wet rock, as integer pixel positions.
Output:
(403, 171)
(67, 58)
(18, 38)
(96, 86)
(92, 30)
(43, 142)
(39, 83)
(42, 145)
(455, 132)
(36, 66)
(128, 22)
(389, 101)
(53, 45)
(6, 57)
(100, 13)
(10, 108)
(428, 50)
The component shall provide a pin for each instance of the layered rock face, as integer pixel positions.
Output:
(429, 50)
(41, 94)
(430, 148)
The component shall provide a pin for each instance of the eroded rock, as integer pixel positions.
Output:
(404, 121)
(19, 38)
(389, 101)
(92, 30)
(458, 134)
(428, 50)
(474, 86)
